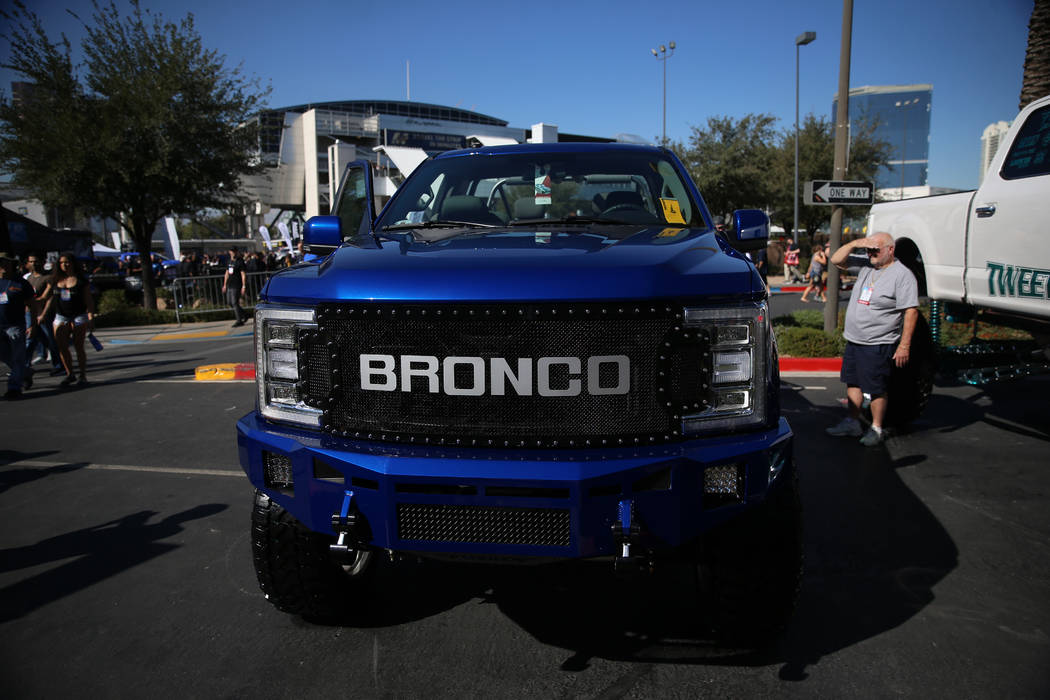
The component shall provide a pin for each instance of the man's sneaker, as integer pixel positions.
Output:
(13, 395)
(873, 437)
(847, 427)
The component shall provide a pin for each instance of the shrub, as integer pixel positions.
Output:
(112, 300)
(799, 341)
(128, 315)
(803, 318)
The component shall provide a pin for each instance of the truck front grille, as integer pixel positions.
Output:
(667, 369)
(538, 527)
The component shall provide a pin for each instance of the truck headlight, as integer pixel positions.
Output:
(277, 331)
(739, 336)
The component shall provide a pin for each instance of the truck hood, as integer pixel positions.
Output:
(557, 264)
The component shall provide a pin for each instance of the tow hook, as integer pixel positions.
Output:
(346, 524)
(632, 560)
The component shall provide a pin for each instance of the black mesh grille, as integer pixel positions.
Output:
(649, 337)
(541, 527)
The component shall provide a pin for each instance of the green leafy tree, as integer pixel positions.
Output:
(816, 161)
(152, 123)
(731, 160)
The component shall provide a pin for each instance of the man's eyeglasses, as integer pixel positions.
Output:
(875, 251)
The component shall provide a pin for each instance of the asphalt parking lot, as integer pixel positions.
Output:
(125, 567)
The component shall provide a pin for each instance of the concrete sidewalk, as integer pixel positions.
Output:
(173, 332)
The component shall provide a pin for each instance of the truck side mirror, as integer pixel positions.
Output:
(750, 230)
(322, 235)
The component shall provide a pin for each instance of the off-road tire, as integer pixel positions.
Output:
(750, 569)
(910, 386)
(295, 569)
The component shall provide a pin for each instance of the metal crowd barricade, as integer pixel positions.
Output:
(204, 295)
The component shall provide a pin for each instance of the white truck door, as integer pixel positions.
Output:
(1008, 261)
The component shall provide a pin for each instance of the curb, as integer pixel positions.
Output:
(228, 371)
(231, 371)
(811, 364)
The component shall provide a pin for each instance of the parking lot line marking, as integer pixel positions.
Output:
(186, 336)
(126, 468)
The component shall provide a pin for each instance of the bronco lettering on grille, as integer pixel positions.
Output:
(388, 373)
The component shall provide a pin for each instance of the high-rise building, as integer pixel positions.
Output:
(991, 138)
(901, 115)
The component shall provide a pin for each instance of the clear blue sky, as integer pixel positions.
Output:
(587, 66)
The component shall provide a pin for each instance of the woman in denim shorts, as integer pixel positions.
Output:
(74, 314)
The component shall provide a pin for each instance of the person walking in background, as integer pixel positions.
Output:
(40, 335)
(74, 307)
(235, 284)
(761, 262)
(15, 295)
(791, 262)
(880, 322)
(815, 275)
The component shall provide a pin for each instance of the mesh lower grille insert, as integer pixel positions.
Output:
(541, 527)
(425, 412)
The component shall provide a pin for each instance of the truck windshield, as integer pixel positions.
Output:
(509, 189)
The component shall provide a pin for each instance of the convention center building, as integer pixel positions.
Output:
(306, 147)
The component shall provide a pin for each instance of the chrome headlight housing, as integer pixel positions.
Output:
(277, 371)
(739, 338)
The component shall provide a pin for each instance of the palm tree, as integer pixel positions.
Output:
(1036, 80)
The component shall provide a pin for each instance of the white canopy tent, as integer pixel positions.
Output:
(104, 251)
(484, 140)
(405, 159)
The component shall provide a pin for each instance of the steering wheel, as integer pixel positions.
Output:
(625, 207)
(498, 189)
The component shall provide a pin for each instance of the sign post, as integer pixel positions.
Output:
(831, 309)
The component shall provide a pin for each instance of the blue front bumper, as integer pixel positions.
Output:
(582, 488)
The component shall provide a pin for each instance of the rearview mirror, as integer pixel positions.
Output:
(322, 235)
(750, 230)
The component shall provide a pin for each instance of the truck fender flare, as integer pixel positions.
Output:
(911, 257)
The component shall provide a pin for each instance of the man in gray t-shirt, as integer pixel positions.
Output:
(880, 321)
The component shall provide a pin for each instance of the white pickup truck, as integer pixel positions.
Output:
(990, 248)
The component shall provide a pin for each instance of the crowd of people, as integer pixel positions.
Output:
(52, 314)
(194, 264)
(47, 308)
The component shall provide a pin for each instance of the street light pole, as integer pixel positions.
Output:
(801, 40)
(662, 56)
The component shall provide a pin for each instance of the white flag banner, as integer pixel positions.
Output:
(265, 233)
(283, 228)
(173, 248)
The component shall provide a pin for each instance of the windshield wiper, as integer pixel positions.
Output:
(569, 220)
(437, 223)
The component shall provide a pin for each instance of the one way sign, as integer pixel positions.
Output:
(838, 192)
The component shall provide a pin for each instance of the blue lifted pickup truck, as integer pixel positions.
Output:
(535, 353)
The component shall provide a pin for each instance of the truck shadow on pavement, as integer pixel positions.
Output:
(873, 555)
(90, 555)
(1016, 407)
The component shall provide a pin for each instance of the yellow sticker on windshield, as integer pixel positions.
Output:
(672, 212)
